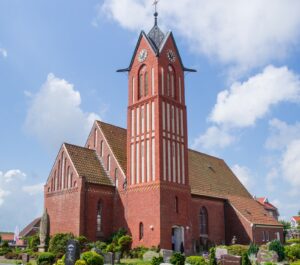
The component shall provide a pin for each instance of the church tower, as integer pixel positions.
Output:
(158, 192)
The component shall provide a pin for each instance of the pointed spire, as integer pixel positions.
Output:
(155, 12)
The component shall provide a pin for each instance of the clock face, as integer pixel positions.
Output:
(142, 55)
(171, 56)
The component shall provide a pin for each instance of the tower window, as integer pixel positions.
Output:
(146, 84)
(143, 82)
(203, 221)
(141, 228)
(99, 217)
(171, 82)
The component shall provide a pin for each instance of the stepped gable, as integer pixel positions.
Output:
(117, 141)
(88, 165)
(252, 210)
(208, 176)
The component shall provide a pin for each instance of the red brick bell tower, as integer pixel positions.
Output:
(158, 194)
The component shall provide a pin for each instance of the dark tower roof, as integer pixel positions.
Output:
(155, 35)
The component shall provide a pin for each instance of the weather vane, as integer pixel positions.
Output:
(155, 2)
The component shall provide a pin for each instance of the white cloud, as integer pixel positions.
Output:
(34, 189)
(244, 103)
(55, 114)
(244, 175)
(3, 52)
(282, 134)
(214, 137)
(291, 164)
(3, 194)
(12, 174)
(240, 32)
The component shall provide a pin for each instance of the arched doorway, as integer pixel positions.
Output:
(178, 238)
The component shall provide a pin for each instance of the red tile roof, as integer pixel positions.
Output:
(264, 201)
(31, 228)
(7, 236)
(297, 218)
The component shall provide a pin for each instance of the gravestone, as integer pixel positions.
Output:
(149, 255)
(72, 252)
(108, 258)
(25, 258)
(220, 252)
(118, 257)
(166, 254)
(231, 260)
(267, 256)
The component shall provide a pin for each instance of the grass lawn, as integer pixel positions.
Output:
(135, 262)
(13, 261)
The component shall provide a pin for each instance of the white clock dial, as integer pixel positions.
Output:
(171, 56)
(142, 55)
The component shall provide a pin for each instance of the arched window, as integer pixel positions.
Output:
(69, 178)
(203, 221)
(55, 181)
(176, 204)
(171, 82)
(141, 234)
(116, 178)
(95, 138)
(59, 176)
(143, 82)
(101, 148)
(108, 163)
(99, 216)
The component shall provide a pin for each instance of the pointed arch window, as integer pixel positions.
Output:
(95, 138)
(203, 221)
(171, 90)
(116, 178)
(99, 217)
(143, 82)
(108, 163)
(141, 231)
(101, 148)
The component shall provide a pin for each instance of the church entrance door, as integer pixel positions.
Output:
(177, 238)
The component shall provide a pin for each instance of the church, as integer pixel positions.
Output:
(144, 178)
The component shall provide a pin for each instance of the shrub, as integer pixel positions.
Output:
(253, 249)
(18, 262)
(292, 252)
(269, 263)
(237, 250)
(59, 262)
(212, 257)
(82, 240)
(45, 258)
(4, 251)
(116, 235)
(177, 259)
(278, 248)
(33, 242)
(124, 243)
(295, 263)
(138, 252)
(5, 244)
(80, 262)
(157, 260)
(11, 255)
(92, 258)
(245, 259)
(293, 241)
(196, 260)
(58, 244)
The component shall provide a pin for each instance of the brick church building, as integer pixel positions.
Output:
(145, 178)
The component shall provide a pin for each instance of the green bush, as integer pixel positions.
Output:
(11, 255)
(295, 263)
(245, 259)
(4, 251)
(278, 248)
(124, 244)
(212, 257)
(269, 263)
(253, 249)
(92, 258)
(82, 240)
(157, 260)
(116, 235)
(33, 242)
(59, 262)
(80, 262)
(5, 244)
(196, 260)
(292, 252)
(177, 259)
(58, 244)
(138, 252)
(45, 258)
(237, 250)
(293, 241)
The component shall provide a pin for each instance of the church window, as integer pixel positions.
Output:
(171, 82)
(99, 217)
(203, 221)
(69, 177)
(140, 85)
(143, 86)
(108, 163)
(101, 148)
(116, 178)
(141, 234)
(71, 180)
(58, 176)
(176, 204)
(146, 84)
(95, 138)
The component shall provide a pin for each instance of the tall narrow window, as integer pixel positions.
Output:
(140, 85)
(116, 178)
(203, 221)
(176, 204)
(101, 148)
(99, 217)
(146, 84)
(141, 235)
(69, 178)
(171, 82)
(95, 138)
(108, 163)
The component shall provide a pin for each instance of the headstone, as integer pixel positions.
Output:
(220, 252)
(166, 254)
(108, 258)
(25, 258)
(72, 252)
(149, 255)
(231, 260)
(118, 257)
(267, 256)
(44, 231)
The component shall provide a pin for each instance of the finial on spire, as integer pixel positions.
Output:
(155, 11)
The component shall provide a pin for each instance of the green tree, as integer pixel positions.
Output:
(212, 257)
(58, 244)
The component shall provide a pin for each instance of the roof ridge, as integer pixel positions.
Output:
(201, 153)
(102, 122)
(78, 146)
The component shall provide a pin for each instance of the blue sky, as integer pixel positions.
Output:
(58, 62)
